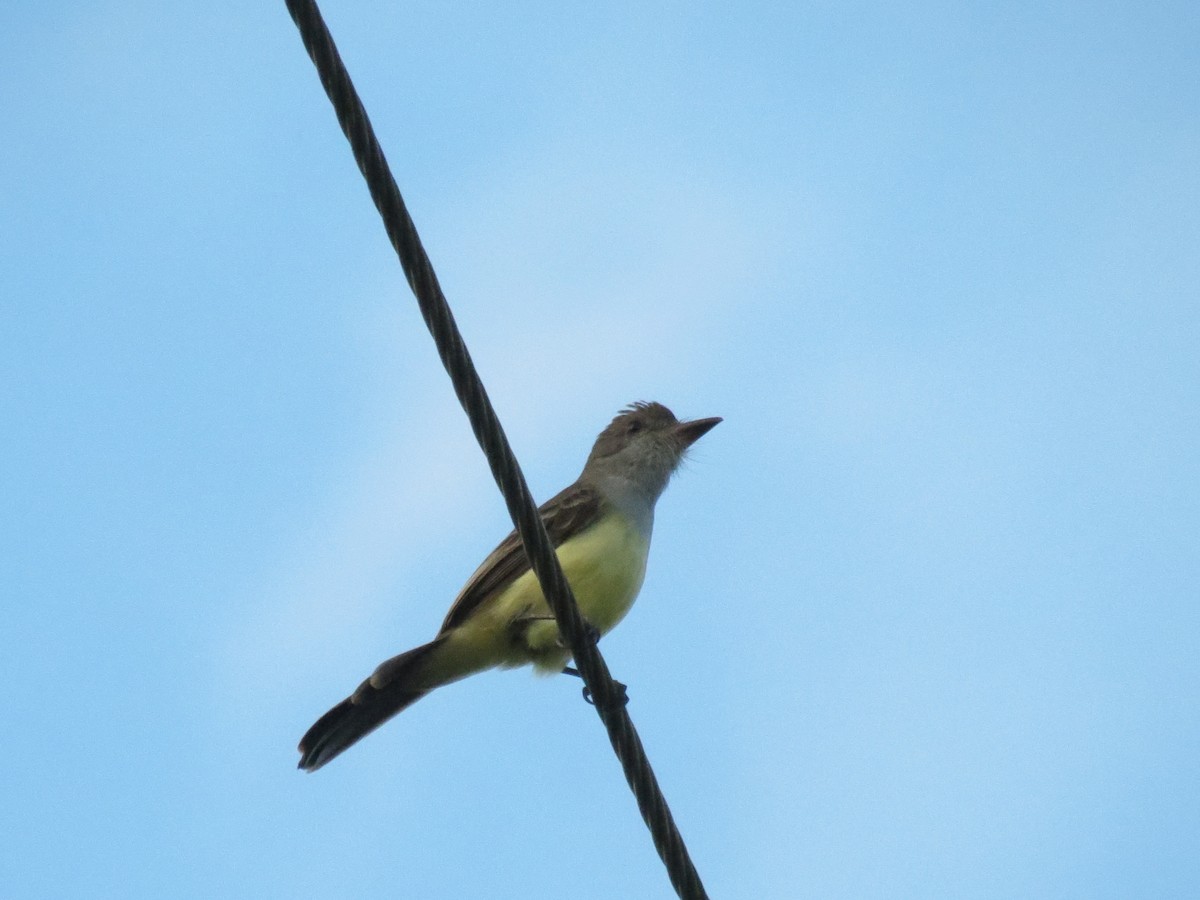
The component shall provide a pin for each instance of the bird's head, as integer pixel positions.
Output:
(644, 444)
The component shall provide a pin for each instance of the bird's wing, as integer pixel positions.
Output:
(565, 515)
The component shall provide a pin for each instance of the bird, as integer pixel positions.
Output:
(600, 527)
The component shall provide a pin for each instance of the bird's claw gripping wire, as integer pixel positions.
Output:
(621, 696)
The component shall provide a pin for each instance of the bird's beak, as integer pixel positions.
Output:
(691, 431)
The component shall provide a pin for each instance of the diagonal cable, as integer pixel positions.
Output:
(609, 698)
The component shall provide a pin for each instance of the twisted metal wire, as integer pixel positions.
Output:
(608, 697)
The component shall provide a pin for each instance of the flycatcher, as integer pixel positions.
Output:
(600, 528)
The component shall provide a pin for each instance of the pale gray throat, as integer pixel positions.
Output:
(631, 499)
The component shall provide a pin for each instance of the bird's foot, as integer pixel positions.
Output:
(620, 692)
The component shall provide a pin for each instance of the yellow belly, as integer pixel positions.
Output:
(604, 565)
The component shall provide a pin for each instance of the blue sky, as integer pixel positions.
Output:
(922, 615)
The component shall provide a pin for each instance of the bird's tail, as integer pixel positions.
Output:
(395, 685)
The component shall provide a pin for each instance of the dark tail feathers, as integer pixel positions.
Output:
(390, 689)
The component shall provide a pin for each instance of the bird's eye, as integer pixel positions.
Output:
(635, 426)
